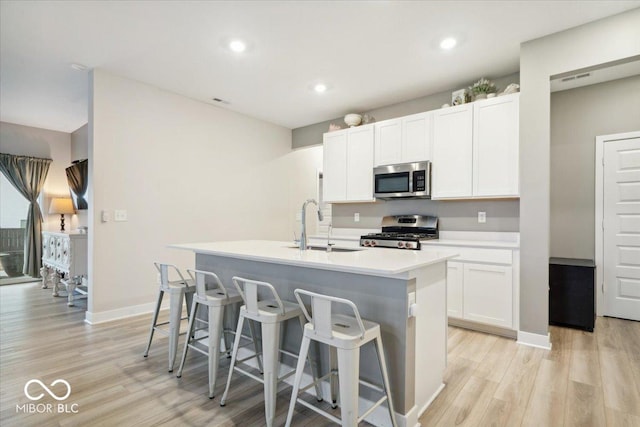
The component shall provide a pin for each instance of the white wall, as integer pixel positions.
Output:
(185, 171)
(80, 143)
(599, 42)
(47, 144)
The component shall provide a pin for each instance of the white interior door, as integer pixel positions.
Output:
(621, 228)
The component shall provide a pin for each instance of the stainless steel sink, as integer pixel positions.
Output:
(324, 249)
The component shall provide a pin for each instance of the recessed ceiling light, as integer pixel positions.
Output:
(448, 43)
(237, 46)
(320, 87)
(78, 67)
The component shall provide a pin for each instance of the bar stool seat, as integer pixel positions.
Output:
(215, 300)
(271, 313)
(345, 335)
(179, 289)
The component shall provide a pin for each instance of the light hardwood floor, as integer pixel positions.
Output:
(586, 380)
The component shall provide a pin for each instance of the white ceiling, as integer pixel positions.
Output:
(371, 54)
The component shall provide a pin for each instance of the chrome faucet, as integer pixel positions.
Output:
(303, 234)
(329, 244)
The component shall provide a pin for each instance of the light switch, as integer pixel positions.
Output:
(120, 215)
(482, 217)
(105, 216)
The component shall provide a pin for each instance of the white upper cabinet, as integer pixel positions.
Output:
(334, 169)
(403, 140)
(348, 165)
(475, 149)
(495, 147)
(452, 152)
(416, 137)
(388, 142)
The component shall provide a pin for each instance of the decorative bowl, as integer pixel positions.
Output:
(352, 119)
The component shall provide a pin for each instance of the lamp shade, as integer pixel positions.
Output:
(61, 205)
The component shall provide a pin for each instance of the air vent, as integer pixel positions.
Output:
(577, 76)
(221, 101)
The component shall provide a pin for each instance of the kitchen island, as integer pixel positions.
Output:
(383, 283)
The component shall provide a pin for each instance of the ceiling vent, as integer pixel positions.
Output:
(577, 76)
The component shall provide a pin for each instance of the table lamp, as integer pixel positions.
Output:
(61, 205)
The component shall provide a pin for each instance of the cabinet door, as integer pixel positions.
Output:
(452, 152)
(416, 138)
(495, 147)
(388, 143)
(360, 164)
(488, 294)
(334, 169)
(454, 289)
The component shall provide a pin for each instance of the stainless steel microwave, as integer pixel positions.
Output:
(407, 180)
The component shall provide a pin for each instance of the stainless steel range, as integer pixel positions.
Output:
(403, 232)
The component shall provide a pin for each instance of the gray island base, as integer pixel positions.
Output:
(383, 283)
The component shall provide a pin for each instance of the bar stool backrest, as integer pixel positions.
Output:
(199, 277)
(321, 307)
(164, 270)
(248, 290)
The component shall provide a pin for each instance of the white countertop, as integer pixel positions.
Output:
(376, 262)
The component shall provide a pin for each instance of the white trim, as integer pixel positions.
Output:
(430, 401)
(599, 202)
(535, 340)
(121, 313)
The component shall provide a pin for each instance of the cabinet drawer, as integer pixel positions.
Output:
(493, 256)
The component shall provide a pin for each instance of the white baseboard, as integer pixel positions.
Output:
(94, 318)
(534, 340)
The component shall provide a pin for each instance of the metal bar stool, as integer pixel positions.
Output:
(271, 314)
(345, 334)
(178, 290)
(215, 299)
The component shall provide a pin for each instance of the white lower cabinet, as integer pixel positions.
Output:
(488, 294)
(454, 289)
(481, 286)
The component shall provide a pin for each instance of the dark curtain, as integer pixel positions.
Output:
(27, 174)
(77, 178)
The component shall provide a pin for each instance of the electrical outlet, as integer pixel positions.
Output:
(298, 216)
(482, 217)
(120, 215)
(411, 304)
(356, 217)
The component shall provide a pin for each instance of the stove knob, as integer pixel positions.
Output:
(373, 243)
(401, 244)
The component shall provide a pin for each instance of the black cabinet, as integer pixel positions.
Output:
(572, 293)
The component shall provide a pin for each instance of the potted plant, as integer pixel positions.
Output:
(482, 87)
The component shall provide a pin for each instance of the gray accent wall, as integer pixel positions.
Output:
(312, 134)
(462, 215)
(599, 42)
(577, 117)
